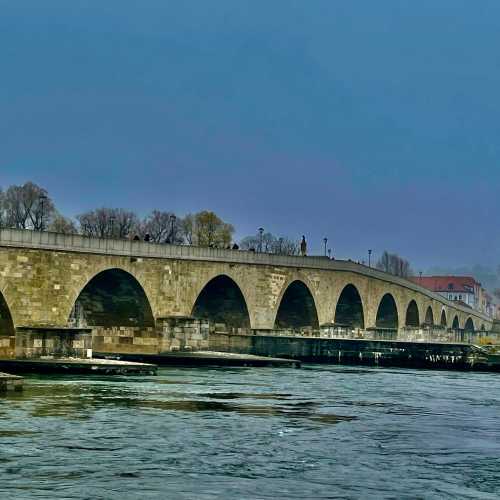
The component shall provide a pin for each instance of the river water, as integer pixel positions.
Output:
(257, 433)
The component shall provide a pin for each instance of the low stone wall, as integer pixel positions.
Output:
(352, 351)
(56, 342)
(183, 334)
(240, 344)
(430, 335)
(125, 339)
(170, 334)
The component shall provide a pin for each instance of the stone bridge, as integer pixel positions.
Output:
(138, 296)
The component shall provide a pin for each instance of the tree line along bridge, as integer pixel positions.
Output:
(147, 298)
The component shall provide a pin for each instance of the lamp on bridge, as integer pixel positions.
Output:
(42, 198)
(261, 234)
(325, 241)
(173, 218)
(370, 258)
(112, 221)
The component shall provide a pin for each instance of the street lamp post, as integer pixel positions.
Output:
(369, 258)
(112, 220)
(261, 234)
(281, 245)
(173, 218)
(329, 253)
(42, 199)
(325, 241)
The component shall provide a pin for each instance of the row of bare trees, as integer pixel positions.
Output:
(394, 264)
(269, 243)
(203, 228)
(29, 206)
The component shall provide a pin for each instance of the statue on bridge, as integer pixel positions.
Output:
(303, 247)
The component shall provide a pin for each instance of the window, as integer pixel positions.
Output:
(450, 297)
(450, 286)
(459, 297)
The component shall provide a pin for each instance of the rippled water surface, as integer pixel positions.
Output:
(319, 432)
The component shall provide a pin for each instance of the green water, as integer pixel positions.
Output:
(320, 432)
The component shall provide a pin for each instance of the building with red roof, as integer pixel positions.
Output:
(463, 289)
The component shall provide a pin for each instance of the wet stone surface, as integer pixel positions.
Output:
(320, 432)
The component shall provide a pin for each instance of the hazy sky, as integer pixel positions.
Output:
(375, 123)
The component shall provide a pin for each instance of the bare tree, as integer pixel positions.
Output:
(125, 223)
(270, 244)
(250, 243)
(108, 222)
(26, 207)
(162, 227)
(394, 264)
(63, 225)
(187, 228)
(285, 246)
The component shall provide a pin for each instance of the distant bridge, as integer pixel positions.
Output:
(131, 291)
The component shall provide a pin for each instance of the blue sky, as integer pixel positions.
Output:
(373, 123)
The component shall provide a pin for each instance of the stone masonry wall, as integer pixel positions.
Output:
(60, 343)
(125, 339)
(183, 334)
(170, 334)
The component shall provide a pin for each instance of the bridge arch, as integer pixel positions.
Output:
(412, 315)
(222, 301)
(469, 325)
(297, 307)
(444, 321)
(456, 323)
(429, 317)
(6, 322)
(349, 310)
(112, 297)
(387, 313)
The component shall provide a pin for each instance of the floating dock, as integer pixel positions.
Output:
(69, 366)
(206, 358)
(10, 382)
